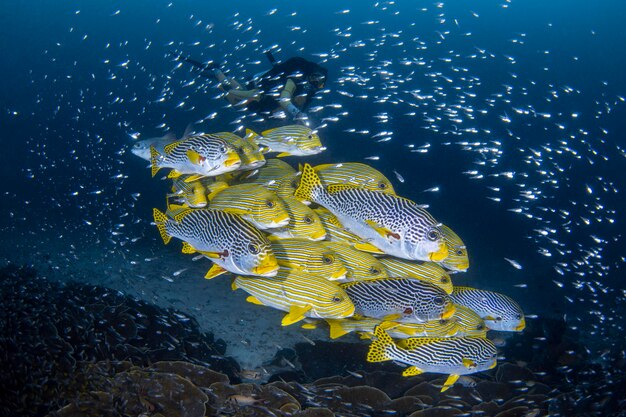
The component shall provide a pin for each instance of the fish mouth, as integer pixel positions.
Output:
(339, 274)
(463, 266)
(448, 312)
(439, 255)
(232, 158)
(521, 326)
(268, 269)
(319, 235)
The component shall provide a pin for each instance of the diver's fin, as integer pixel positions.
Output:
(378, 348)
(160, 219)
(296, 313)
(215, 270)
(154, 160)
(254, 300)
(449, 382)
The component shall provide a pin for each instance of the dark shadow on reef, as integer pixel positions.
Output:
(74, 350)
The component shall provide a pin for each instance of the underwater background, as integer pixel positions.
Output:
(507, 118)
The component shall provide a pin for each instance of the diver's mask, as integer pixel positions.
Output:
(317, 80)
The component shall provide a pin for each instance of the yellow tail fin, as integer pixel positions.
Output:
(378, 348)
(310, 185)
(160, 219)
(154, 159)
(252, 135)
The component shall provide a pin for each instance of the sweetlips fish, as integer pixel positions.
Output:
(469, 322)
(425, 271)
(300, 294)
(303, 223)
(297, 140)
(310, 257)
(233, 244)
(249, 152)
(335, 232)
(457, 259)
(395, 225)
(359, 265)
(452, 355)
(366, 326)
(354, 173)
(254, 203)
(200, 155)
(500, 312)
(141, 148)
(399, 299)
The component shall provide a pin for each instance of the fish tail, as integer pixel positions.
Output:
(253, 136)
(378, 351)
(310, 187)
(161, 219)
(154, 160)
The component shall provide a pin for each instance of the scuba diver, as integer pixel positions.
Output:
(288, 86)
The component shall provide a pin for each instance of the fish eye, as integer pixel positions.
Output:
(445, 280)
(308, 219)
(443, 321)
(253, 249)
(310, 136)
(382, 185)
(337, 299)
(459, 252)
(498, 318)
(480, 327)
(223, 149)
(374, 270)
(328, 259)
(433, 234)
(439, 301)
(518, 317)
(408, 310)
(270, 203)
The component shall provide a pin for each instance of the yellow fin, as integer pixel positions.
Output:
(170, 146)
(336, 329)
(365, 335)
(449, 382)
(388, 325)
(181, 215)
(234, 210)
(412, 371)
(268, 131)
(391, 317)
(193, 178)
(215, 270)
(378, 351)
(194, 157)
(233, 285)
(154, 160)
(211, 255)
(309, 326)
(335, 188)
(174, 174)
(254, 300)
(296, 313)
(383, 231)
(252, 135)
(310, 185)
(283, 154)
(216, 188)
(187, 248)
(469, 364)
(368, 247)
(160, 219)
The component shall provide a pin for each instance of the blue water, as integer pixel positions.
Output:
(79, 78)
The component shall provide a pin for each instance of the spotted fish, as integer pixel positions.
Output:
(256, 204)
(453, 355)
(232, 243)
(201, 155)
(300, 294)
(310, 257)
(393, 224)
(303, 222)
(289, 140)
(399, 299)
(499, 311)
(425, 271)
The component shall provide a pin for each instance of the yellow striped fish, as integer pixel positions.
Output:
(193, 194)
(248, 151)
(272, 170)
(425, 271)
(458, 259)
(303, 222)
(335, 232)
(284, 186)
(289, 140)
(366, 325)
(254, 203)
(469, 322)
(300, 294)
(232, 243)
(396, 225)
(354, 173)
(499, 311)
(310, 257)
(453, 355)
(360, 265)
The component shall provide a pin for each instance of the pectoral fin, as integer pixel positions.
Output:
(412, 371)
(309, 326)
(212, 255)
(368, 247)
(449, 382)
(468, 363)
(336, 329)
(193, 178)
(296, 313)
(283, 154)
(383, 231)
(254, 300)
(194, 157)
(215, 270)
(392, 317)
